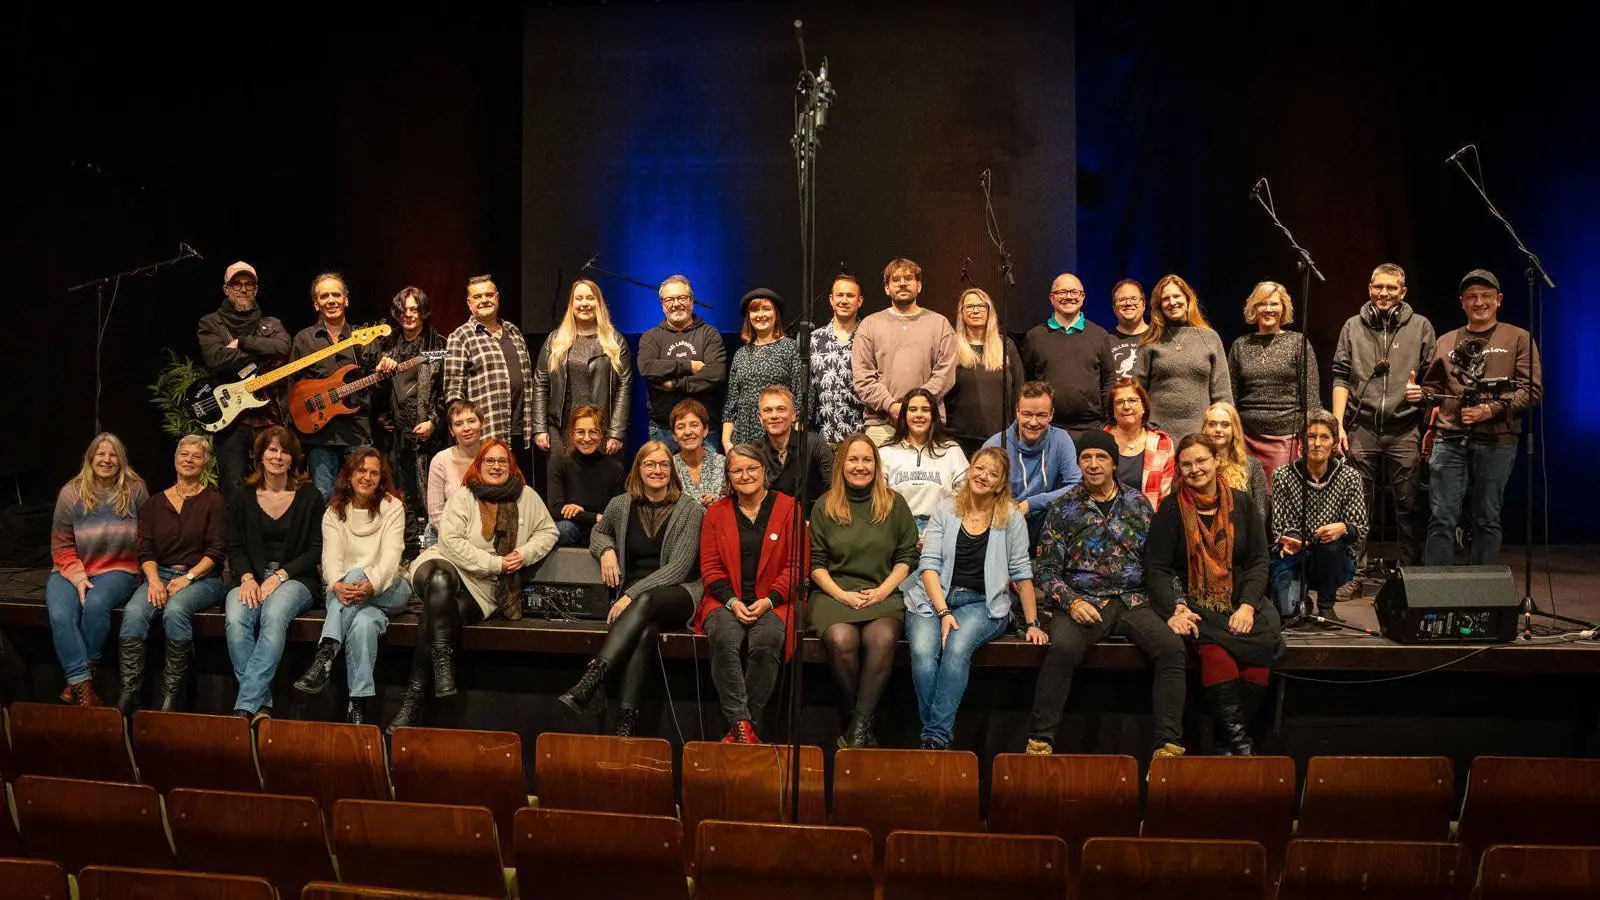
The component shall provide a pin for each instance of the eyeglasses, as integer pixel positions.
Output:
(1067, 295)
(245, 286)
(744, 472)
(494, 462)
(1126, 401)
(656, 466)
(677, 301)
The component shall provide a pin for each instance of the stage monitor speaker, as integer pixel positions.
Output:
(566, 585)
(1449, 605)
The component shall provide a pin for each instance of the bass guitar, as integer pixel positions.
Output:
(215, 408)
(315, 402)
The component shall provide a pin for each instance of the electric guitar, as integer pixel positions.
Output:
(215, 408)
(315, 402)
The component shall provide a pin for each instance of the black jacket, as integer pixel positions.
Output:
(550, 391)
(303, 550)
(665, 355)
(425, 383)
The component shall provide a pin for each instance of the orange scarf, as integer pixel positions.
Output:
(1209, 547)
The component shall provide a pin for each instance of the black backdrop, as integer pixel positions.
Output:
(393, 148)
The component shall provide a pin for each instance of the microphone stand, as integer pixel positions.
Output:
(589, 266)
(813, 96)
(1262, 194)
(991, 224)
(102, 312)
(1535, 274)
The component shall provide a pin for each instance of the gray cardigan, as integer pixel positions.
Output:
(680, 546)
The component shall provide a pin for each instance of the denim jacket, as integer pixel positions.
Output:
(1006, 560)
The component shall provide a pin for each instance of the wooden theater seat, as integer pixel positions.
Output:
(272, 836)
(1072, 797)
(747, 783)
(188, 750)
(32, 879)
(326, 761)
(83, 823)
(327, 890)
(1169, 869)
(1245, 798)
(468, 768)
(10, 840)
(114, 883)
(1380, 798)
(8, 761)
(425, 846)
(1375, 870)
(932, 865)
(740, 860)
(890, 790)
(604, 774)
(1522, 872)
(1529, 800)
(565, 854)
(70, 742)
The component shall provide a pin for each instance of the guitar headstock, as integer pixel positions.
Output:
(368, 335)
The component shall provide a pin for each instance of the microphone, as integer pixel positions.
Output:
(983, 180)
(1255, 190)
(589, 263)
(800, 38)
(1459, 153)
(965, 263)
(822, 90)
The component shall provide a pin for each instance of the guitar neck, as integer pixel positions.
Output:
(361, 384)
(278, 374)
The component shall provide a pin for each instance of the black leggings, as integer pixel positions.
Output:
(634, 633)
(446, 606)
(862, 675)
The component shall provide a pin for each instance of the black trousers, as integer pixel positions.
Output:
(409, 459)
(1069, 641)
(1393, 460)
(446, 607)
(633, 636)
(744, 690)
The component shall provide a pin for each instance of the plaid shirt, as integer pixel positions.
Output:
(1160, 466)
(475, 370)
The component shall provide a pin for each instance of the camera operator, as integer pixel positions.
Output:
(1485, 374)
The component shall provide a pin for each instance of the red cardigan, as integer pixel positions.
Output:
(719, 559)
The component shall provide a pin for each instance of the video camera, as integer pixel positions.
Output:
(1466, 361)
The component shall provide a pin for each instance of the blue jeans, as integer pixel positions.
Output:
(323, 462)
(176, 614)
(80, 629)
(358, 628)
(1448, 468)
(940, 674)
(256, 637)
(664, 435)
(1331, 566)
(571, 534)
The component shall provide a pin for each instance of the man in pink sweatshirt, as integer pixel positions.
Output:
(899, 349)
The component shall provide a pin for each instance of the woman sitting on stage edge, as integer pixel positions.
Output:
(491, 533)
(974, 548)
(648, 544)
(1330, 497)
(275, 545)
(1210, 539)
(747, 562)
(363, 535)
(583, 479)
(183, 540)
(863, 545)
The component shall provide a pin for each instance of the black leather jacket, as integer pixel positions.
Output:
(550, 391)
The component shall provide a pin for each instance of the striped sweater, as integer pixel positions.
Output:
(83, 545)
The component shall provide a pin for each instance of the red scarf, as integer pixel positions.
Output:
(1209, 546)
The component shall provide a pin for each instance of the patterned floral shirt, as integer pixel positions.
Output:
(1093, 554)
(754, 367)
(712, 474)
(836, 411)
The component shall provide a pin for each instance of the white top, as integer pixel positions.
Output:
(921, 477)
(364, 541)
(444, 479)
(461, 543)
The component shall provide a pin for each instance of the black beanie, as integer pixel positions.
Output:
(1096, 439)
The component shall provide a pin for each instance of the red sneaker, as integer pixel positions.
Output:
(744, 732)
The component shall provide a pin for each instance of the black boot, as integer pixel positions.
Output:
(175, 675)
(130, 657)
(582, 698)
(444, 669)
(1250, 697)
(411, 706)
(316, 677)
(627, 721)
(1228, 719)
(356, 712)
(859, 732)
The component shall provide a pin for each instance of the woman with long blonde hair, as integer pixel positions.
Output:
(95, 555)
(1235, 466)
(585, 361)
(975, 547)
(1182, 362)
(863, 545)
(988, 374)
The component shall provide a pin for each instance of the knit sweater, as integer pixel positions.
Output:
(1340, 496)
(364, 541)
(860, 555)
(680, 545)
(86, 544)
(925, 478)
(893, 353)
(1185, 372)
(1078, 366)
(444, 479)
(1264, 370)
(1043, 472)
(587, 479)
(462, 544)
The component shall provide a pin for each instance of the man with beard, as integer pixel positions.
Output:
(900, 348)
(680, 359)
(234, 337)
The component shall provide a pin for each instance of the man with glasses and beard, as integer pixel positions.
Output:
(680, 359)
(231, 339)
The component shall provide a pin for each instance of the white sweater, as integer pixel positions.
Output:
(462, 544)
(364, 541)
(923, 479)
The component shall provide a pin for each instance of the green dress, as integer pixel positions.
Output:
(860, 555)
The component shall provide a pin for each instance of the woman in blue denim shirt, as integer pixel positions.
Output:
(975, 547)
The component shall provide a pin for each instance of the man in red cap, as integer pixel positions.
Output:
(233, 338)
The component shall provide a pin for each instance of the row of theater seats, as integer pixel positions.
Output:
(39, 880)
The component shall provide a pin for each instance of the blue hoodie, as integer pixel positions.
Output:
(1043, 472)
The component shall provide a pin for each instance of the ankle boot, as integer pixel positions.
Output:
(316, 677)
(1228, 718)
(411, 706)
(859, 732)
(444, 669)
(175, 674)
(582, 698)
(744, 732)
(627, 721)
(130, 658)
(83, 694)
(356, 712)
